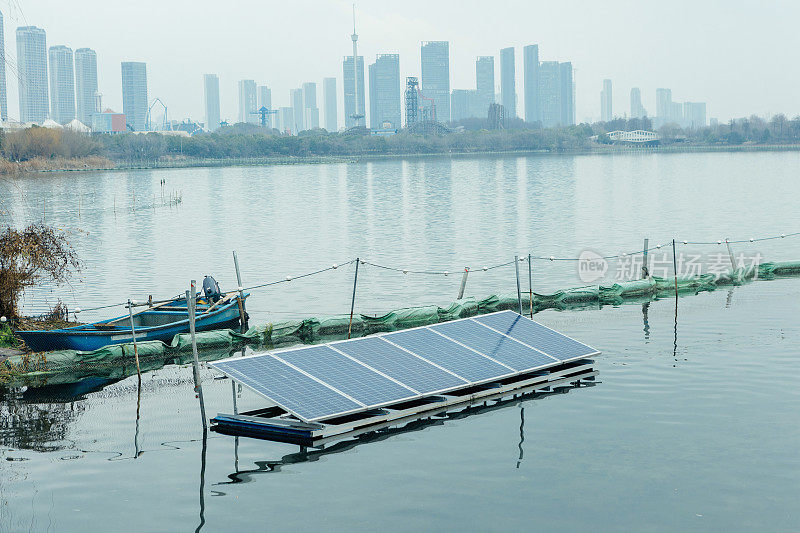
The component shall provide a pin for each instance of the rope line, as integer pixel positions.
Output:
(522, 258)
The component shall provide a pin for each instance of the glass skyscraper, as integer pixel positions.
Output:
(530, 74)
(62, 84)
(435, 63)
(329, 97)
(134, 94)
(211, 101)
(248, 101)
(3, 87)
(86, 84)
(484, 84)
(384, 92)
(32, 75)
(550, 93)
(508, 84)
(606, 111)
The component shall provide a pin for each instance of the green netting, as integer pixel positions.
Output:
(118, 361)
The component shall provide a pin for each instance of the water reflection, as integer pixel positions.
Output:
(305, 455)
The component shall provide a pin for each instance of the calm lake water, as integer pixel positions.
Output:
(692, 424)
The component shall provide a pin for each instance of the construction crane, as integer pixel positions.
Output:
(263, 112)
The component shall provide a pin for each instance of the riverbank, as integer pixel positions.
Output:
(101, 163)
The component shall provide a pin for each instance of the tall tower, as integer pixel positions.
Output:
(356, 115)
(3, 89)
(34, 100)
(134, 94)
(62, 84)
(606, 111)
(85, 83)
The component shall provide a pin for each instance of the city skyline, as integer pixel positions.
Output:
(373, 42)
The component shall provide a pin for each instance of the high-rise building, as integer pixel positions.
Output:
(637, 109)
(508, 84)
(694, 114)
(134, 94)
(676, 113)
(62, 84)
(465, 104)
(384, 92)
(484, 84)
(286, 115)
(211, 101)
(530, 73)
(329, 97)
(663, 106)
(265, 100)
(353, 116)
(567, 94)
(310, 109)
(3, 88)
(32, 74)
(86, 84)
(550, 93)
(298, 110)
(248, 101)
(435, 63)
(606, 112)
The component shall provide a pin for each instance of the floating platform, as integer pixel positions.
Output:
(345, 388)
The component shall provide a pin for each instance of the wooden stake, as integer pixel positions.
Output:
(519, 293)
(191, 295)
(135, 345)
(675, 268)
(353, 301)
(242, 310)
(463, 283)
(645, 270)
(730, 254)
(530, 283)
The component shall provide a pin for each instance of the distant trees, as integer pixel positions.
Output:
(33, 142)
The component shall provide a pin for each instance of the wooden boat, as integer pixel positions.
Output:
(155, 322)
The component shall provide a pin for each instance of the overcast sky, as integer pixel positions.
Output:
(738, 56)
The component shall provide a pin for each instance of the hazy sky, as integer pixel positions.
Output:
(738, 56)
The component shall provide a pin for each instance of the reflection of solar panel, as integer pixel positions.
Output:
(319, 382)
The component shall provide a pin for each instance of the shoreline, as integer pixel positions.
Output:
(81, 165)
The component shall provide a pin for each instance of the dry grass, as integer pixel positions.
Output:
(39, 164)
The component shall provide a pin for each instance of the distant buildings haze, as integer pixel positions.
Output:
(435, 82)
(134, 94)
(211, 101)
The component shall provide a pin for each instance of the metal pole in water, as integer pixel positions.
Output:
(135, 346)
(353, 301)
(530, 283)
(675, 268)
(463, 283)
(645, 270)
(519, 293)
(198, 387)
(242, 310)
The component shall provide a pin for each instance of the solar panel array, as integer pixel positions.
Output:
(324, 381)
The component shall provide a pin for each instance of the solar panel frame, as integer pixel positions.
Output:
(275, 355)
(544, 360)
(591, 353)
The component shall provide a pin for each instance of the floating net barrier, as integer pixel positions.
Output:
(117, 361)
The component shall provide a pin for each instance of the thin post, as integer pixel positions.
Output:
(463, 283)
(530, 284)
(645, 270)
(242, 310)
(675, 268)
(353, 301)
(135, 346)
(519, 293)
(730, 254)
(191, 295)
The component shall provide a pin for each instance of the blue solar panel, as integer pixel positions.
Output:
(448, 354)
(536, 335)
(353, 379)
(286, 386)
(495, 345)
(401, 365)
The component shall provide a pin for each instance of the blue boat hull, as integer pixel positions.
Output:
(89, 338)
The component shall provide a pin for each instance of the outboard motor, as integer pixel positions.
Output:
(211, 290)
